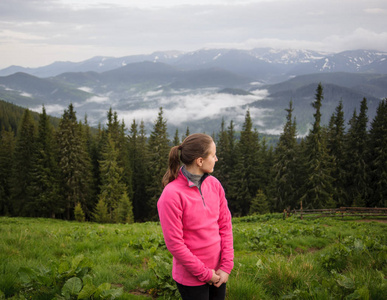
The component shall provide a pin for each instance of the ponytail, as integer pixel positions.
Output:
(173, 165)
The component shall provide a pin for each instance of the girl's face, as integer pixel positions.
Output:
(208, 163)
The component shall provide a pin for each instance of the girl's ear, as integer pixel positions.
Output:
(199, 161)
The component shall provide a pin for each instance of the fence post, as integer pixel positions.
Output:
(301, 210)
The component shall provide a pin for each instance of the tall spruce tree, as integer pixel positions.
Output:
(94, 146)
(378, 157)
(357, 180)
(117, 133)
(113, 187)
(222, 151)
(176, 139)
(22, 166)
(123, 159)
(87, 181)
(7, 147)
(285, 165)
(266, 174)
(74, 162)
(158, 148)
(246, 174)
(227, 159)
(45, 184)
(187, 133)
(138, 159)
(318, 191)
(336, 148)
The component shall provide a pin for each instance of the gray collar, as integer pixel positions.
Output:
(195, 179)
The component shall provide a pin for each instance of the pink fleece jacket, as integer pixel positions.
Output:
(197, 229)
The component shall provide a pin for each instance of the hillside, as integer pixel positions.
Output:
(10, 116)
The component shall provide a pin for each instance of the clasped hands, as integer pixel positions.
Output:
(218, 278)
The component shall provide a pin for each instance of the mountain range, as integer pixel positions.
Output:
(198, 89)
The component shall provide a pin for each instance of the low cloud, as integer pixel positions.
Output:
(85, 89)
(51, 109)
(179, 109)
(98, 99)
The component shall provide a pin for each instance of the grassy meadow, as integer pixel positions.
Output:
(274, 259)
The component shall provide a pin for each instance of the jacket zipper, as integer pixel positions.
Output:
(204, 203)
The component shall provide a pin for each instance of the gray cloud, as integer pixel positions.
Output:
(74, 30)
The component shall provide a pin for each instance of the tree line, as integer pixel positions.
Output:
(113, 174)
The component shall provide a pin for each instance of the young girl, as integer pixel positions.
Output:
(196, 221)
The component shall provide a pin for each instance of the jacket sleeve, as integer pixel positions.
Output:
(225, 231)
(170, 213)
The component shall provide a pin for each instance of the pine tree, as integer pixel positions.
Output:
(94, 145)
(112, 187)
(318, 186)
(22, 166)
(222, 151)
(124, 211)
(285, 166)
(117, 134)
(124, 160)
(7, 146)
(138, 159)
(266, 175)
(158, 149)
(96, 157)
(259, 204)
(45, 184)
(100, 214)
(357, 180)
(230, 160)
(336, 148)
(246, 174)
(378, 157)
(187, 133)
(176, 139)
(78, 213)
(74, 162)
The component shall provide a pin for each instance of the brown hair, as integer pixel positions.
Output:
(194, 146)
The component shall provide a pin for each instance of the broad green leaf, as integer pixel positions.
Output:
(111, 294)
(103, 287)
(26, 275)
(63, 267)
(87, 291)
(72, 286)
(76, 261)
(87, 280)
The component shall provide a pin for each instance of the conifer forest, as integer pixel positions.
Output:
(112, 174)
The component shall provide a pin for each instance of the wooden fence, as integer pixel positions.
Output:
(339, 212)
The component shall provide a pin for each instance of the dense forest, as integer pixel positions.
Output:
(69, 170)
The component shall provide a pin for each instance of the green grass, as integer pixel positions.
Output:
(274, 258)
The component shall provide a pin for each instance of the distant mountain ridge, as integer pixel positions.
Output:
(199, 89)
(265, 64)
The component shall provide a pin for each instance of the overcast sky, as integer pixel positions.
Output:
(38, 32)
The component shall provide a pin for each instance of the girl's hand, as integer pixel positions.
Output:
(223, 277)
(215, 278)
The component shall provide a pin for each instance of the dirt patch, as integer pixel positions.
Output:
(310, 250)
(140, 292)
(372, 220)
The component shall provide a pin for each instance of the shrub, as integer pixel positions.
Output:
(100, 214)
(78, 213)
